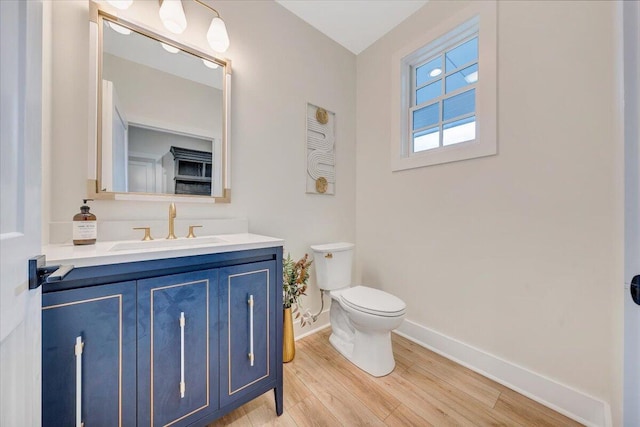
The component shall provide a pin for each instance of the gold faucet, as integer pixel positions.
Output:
(172, 217)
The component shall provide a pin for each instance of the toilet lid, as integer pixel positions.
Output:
(373, 301)
(332, 247)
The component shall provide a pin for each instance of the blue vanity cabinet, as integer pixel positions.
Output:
(170, 341)
(177, 348)
(248, 312)
(89, 356)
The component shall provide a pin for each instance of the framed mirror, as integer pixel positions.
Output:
(161, 116)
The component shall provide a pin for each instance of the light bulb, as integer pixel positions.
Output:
(172, 16)
(119, 28)
(120, 4)
(435, 72)
(169, 48)
(217, 35)
(210, 64)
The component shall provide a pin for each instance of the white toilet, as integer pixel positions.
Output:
(362, 318)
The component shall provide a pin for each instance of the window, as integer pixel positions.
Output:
(443, 92)
(447, 90)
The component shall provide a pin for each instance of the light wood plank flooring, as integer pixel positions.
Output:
(321, 388)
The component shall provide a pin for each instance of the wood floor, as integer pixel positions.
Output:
(321, 388)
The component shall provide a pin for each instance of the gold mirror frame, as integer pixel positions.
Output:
(98, 13)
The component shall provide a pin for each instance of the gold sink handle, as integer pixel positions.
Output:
(147, 232)
(191, 227)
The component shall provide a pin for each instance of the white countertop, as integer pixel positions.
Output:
(103, 253)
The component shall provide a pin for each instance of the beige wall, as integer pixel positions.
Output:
(517, 254)
(279, 64)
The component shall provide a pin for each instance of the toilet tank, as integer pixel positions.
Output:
(333, 265)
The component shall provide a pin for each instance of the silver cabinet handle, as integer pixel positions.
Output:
(78, 351)
(182, 384)
(250, 302)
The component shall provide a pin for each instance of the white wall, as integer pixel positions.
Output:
(518, 254)
(279, 64)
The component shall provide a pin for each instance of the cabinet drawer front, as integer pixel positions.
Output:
(103, 318)
(176, 350)
(247, 299)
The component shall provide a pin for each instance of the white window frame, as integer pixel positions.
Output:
(479, 18)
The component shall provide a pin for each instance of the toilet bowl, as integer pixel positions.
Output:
(362, 318)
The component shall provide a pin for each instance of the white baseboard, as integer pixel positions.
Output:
(570, 402)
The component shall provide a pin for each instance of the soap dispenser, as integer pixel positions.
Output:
(85, 226)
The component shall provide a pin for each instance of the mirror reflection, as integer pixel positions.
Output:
(162, 117)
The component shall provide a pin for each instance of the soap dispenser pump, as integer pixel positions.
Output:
(85, 226)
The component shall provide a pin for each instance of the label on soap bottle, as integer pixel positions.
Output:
(85, 230)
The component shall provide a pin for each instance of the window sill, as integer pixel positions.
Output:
(453, 153)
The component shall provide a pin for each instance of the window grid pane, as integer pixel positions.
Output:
(459, 131)
(429, 71)
(426, 139)
(429, 92)
(426, 116)
(459, 105)
(462, 54)
(462, 78)
(449, 80)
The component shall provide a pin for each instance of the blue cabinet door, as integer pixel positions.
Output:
(177, 348)
(89, 356)
(247, 299)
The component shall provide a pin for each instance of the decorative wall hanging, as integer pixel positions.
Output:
(321, 157)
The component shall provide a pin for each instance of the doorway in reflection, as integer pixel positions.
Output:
(169, 163)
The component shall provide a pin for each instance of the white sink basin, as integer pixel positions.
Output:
(167, 244)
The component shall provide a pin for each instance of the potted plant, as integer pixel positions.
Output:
(295, 275)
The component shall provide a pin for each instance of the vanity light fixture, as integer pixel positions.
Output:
(210, 64)
(120, 4)
(169, 48)
(119, 28)
(172, 16)
(217, 35)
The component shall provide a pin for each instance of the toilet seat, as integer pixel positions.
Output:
(373, 301)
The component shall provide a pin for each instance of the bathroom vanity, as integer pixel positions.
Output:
(176, 333)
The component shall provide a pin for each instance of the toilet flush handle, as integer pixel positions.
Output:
(329, 255)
